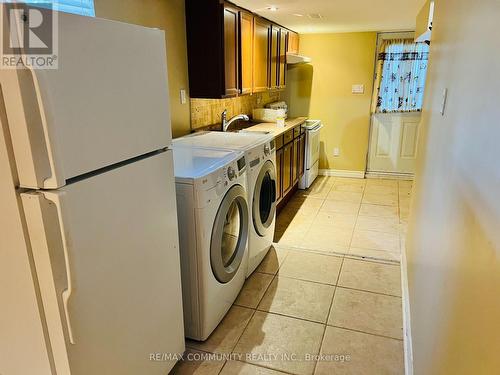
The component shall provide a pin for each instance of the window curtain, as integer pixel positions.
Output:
(400, 76)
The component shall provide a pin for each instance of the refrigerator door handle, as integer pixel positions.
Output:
(66, 294)
(48, 237)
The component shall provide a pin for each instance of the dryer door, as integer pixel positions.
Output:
(229, 234)
(264, 198)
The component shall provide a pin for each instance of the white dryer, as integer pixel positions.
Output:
(260, 155)
(213, 216)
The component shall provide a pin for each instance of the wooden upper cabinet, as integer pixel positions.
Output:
(274, 57)
(246, 55)
(293, 42)
(231, 50)
(282, 58)
(261, 33)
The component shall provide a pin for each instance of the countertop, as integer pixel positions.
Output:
(290, 123)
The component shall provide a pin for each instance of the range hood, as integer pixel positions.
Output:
(293, 58)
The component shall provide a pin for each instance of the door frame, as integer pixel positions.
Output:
(380, 37)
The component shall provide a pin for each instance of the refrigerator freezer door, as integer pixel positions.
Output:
(106, 102)
(106, 253)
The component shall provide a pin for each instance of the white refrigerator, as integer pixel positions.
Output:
(89, 269)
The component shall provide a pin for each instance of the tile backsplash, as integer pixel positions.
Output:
(208, 111)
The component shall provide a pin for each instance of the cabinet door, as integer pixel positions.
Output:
(279, 174)
(246, 52)
(231, 50)
(261, 32)
(295, 160)
(282, 59)
(274, 57)
(302, 154)
(293, 42)
(287, 167)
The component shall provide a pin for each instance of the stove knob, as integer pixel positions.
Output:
(231, 174)
(267, 150)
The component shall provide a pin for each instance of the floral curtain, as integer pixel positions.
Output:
(400, 76)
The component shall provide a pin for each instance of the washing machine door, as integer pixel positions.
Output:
(229, 234)
(264, 198)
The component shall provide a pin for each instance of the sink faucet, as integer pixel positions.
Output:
(226, 123)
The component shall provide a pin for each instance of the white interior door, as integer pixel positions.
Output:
(393, 143)
(107, 259)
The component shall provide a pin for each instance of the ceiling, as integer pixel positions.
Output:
(338, 15)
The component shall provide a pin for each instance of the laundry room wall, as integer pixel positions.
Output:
(169, 16)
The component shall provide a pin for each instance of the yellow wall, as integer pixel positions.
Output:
(322, 90)
(453, 247)
(167, 15)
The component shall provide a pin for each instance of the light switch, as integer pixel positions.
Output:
(183, 96)
(358, 89)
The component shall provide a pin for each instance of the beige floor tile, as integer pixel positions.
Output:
(241, 368)
(369, 239)
(273, 260)
(367, 312)
(369, 355)
(354, 185)
(404, 203)
(296, 226)
(197, 363)
(326, 239)
(298, 299)
(305, 203)
(381, 182)
(334, 219)
(311, 267)
(281, 336)
(381, 199)
(406, 184)
(340, 207)
(318, 190)
(371, 276)
(370, 254)
(253, 290)
(226, 335)
(380, 224)
(325, 180)
(381, 189)
(351, 180)
(345, 196)
(292, 237)
(377, 210)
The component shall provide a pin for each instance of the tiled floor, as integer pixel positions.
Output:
(327, 298)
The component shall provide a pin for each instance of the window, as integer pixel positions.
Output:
(400, 77)
(82, 7)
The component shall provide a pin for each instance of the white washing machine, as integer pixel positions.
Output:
(260, 155)
(213, 220)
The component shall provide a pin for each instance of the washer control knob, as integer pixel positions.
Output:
(231, 174)
(267, 150)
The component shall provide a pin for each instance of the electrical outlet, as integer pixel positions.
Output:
(183, 96)
(336, 151)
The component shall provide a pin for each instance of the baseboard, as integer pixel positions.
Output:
(390, 175)
(407, 340)
(342, 173)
